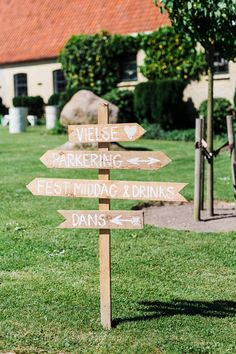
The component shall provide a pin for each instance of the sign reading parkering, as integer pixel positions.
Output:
(142, 160)
(104, 189)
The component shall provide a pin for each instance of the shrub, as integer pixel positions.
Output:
(221, 107)
(58, 129)
(235, 98)
(154, 131)
(35, 104)
(3, 108)
(94, 60)
(124, 99)
(160, 102)
(54, 99)
(171, 55)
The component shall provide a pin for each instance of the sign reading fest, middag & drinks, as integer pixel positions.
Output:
(104, 189)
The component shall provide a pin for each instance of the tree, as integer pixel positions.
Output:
(212, 23)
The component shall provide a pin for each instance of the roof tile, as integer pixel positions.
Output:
(38, 29)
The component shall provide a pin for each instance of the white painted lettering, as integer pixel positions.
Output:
(114, 133)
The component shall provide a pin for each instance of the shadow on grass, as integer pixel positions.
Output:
(157, 309)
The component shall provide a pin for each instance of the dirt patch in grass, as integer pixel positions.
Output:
(180, 217)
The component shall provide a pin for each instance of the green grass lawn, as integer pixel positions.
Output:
(173, 291)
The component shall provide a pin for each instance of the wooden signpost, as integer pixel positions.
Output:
(202, 153)
(231, 141)
(104, 189)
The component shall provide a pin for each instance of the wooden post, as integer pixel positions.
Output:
(104, 236)
(202, 167)
(197, 169)
(210, 165)
(231, 140)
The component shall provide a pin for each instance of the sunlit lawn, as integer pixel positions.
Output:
(173, 291)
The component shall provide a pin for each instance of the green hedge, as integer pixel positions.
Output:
(54, 99)
(161, 102)
(3, 108)
(154, 131)
(35, 104)
(124, 99)
(221, 108)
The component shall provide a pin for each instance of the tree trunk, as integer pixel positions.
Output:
(210, 179)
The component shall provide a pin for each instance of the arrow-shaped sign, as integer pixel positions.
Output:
(161, 191)
(92, 219)
(104, 132)
(144, 160)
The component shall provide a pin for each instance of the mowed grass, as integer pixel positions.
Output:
(173, 292)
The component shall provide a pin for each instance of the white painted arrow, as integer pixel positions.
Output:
(137, 161)
(119, 221)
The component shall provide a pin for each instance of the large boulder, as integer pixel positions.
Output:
(83, 109)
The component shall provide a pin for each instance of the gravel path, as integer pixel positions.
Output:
(180, 217)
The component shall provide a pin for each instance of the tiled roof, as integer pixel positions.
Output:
(38, 29)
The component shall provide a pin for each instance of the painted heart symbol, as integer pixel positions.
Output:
(130, 131)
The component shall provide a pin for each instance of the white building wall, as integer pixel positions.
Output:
(224, 86)
(39, 79)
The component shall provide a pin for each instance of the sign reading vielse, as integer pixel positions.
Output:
(104, 133)
(143, 160)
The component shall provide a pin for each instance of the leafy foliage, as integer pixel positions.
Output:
(170, 55)
(54, 99)
(3, 108)
(35, 104)
(124, 99)
(58, 129)
(154, 131)
(222, 107)
(93, 60)
(160, 102)
(210, 22)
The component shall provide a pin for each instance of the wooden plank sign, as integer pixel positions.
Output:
(90, 219)
(59, 187)
(93, 133)
(138, 160)
(104, 189)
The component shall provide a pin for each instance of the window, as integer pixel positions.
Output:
(59, 81)
(128, 67)
(20, 85)
(221, 65)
